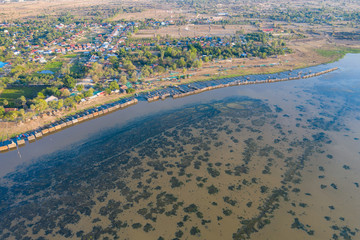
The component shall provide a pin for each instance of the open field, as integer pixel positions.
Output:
(53, 66)
(157, 13)
(191, 30)
(30, 9)
(11, 94)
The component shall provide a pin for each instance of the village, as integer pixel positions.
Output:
(93, 59)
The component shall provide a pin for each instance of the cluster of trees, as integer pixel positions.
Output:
(11, 115)
(316, 16)
(157, 59)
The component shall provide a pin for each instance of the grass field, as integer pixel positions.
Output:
(70, 55)
(11, 94)
(336, 53)
(53, 66)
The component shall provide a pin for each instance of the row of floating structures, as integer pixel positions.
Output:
(170, 91)
(198, 87)
(88, 114)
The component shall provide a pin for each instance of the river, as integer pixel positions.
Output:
(267, 161)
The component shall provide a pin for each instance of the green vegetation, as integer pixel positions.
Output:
(70, 55)
(53, 66)
(13, 93)
(337, 53)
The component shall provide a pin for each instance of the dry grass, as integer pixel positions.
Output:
(30, 9)
(192, 30)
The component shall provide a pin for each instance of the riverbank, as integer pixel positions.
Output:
(304, 56)
(169, 91)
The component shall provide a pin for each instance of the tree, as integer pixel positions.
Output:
(128, 65)
(12, 115)
(40, 105)
(2, 111)
(53, 104)
(197, 64)
(145, 71)
(69, 81)
(5, 102)
(22, 113)
(133, 77)
(60, 104)
(80, 87)
(40, 95)
(181, 62)
(68, 101)
(114, 85)
(113, 60)
(77, 98)
(108, 91)
(65, 93)
(130, 90)
(22, 99)
(159, 69)
(123, 79)
(206, 59)
(89, 93)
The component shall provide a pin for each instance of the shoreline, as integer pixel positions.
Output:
(218, 70)
(176, 91)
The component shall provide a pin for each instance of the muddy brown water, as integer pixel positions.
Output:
(271, 161)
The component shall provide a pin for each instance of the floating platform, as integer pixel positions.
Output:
(4, 148)
(20, 142)
(38, 135)
(31, 138)
(44, 131)
(12, 145)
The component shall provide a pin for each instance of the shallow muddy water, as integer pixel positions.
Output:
(270, 161)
